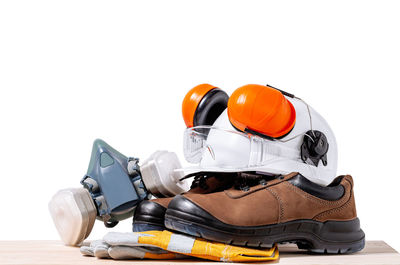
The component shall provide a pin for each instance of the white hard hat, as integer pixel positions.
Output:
(222, 148)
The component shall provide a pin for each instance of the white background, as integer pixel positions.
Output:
(73, 71)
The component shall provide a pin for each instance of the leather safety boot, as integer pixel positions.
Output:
(149, 215)
(277, 210)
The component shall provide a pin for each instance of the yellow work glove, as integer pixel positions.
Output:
(200, 248)
(168, 245)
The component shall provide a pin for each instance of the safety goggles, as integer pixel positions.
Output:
(230, 148)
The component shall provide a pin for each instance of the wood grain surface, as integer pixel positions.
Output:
(54, 252)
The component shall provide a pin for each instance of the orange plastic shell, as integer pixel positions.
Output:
(192, 100)
(262, 109)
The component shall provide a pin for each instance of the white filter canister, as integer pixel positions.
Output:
(160, 175)
(74, 213)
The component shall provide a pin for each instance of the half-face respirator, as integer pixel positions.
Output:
(262, 129)
(113, 186)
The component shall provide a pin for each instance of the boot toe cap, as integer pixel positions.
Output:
(149, 215)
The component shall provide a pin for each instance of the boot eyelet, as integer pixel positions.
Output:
(263, 182)
(245, 188)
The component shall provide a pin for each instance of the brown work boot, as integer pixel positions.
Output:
(281, 209)
(149, 215)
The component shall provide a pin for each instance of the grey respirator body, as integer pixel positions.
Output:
(113, 186)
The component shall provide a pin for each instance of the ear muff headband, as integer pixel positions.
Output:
(261, 110)
(210, 107)
(203, 104)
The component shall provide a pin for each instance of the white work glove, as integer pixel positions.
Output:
(97, 248)
(120, 246)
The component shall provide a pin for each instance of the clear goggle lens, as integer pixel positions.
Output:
(196, 141)
(231, 148)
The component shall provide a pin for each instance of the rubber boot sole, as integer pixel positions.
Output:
(142, 226)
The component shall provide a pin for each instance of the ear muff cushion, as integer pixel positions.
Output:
(210, 107)
(261, 109)
(203, 103)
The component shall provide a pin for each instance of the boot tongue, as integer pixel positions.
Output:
(204, 185)
(212, 182)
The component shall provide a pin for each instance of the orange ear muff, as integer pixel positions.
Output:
(203, 104)
(262, 110)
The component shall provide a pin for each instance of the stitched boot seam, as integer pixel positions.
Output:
(281, 210)
(338, 209)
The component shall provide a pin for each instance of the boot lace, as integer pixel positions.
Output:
(245, 180)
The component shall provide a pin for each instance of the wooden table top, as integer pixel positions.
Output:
(54, 252)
